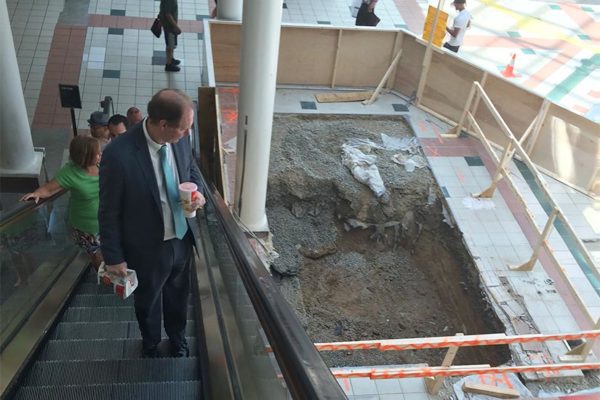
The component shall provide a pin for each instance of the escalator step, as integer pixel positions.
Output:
(150, 391)
(168, 390)
(93, 288)
(100, 300)
(91, 330)
(46, 373)
(99, 314)
(106, 314)
(105, 300)
(100, 349)
(105, 349)
(106, 330)
(90, 277)
(90, 392)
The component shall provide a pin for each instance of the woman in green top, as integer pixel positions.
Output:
(80, 176)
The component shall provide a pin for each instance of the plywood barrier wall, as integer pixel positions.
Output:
(567, 146)
(409, 66)
(225, 46)
(310, 55)
(364, 58)
(448, 84)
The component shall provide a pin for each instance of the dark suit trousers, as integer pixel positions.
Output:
(163, 285)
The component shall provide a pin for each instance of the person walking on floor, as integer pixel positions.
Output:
(366, 14)
(461, 22)
(80, 176)
(142, 224)
(168, 19)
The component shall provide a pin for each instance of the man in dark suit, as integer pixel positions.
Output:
(142, 224)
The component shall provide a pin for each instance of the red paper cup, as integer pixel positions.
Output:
(187, 192)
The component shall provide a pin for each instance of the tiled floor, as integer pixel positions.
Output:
(106, 48)
(562, 66)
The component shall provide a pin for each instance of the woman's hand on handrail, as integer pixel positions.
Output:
(45, 191)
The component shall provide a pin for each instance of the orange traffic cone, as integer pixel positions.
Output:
(509, 71)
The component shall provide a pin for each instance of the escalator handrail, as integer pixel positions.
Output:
(306, 374)
(26, 208)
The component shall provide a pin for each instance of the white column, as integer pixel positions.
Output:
(17, 157)
(258, 78)
(230, 10)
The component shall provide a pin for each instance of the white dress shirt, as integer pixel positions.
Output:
(154, 147)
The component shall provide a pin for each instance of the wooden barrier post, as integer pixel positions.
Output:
(593, 181)
(433, 384)
(398, 41)
(500, 171)
(455, 132)
(441, 342)
(337, 58)
(528, 266)
(386, 76)
(459, 370)
(427, 57)
(509, 152)
(581, 352)
(475, 105)
(538, 126)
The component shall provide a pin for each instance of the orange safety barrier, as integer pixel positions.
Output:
(453, 341)
(389, 373)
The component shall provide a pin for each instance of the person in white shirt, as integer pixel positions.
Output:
(459, 26)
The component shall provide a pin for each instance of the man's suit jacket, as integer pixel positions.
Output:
(130, 213)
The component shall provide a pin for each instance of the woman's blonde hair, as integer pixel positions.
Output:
(83, 151)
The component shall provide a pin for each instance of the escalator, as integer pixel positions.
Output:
(66, 337)
(94, 351)
(92, 347)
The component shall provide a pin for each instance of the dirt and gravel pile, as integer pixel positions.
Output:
(358, 267)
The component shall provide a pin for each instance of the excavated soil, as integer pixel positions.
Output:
(358, 267)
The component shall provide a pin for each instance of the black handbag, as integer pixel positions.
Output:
(156, 27)
(372, 19)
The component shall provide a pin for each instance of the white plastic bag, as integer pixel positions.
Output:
(410, 162)
(123, 286)
(410, 144)
(363, 168)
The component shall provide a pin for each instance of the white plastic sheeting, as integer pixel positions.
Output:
(363, 166)
(478, 204)
(356, 156)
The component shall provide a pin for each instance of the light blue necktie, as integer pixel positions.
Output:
(173, 195)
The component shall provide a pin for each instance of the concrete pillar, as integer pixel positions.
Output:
(258, 77)
(17, 156)
(230, 10)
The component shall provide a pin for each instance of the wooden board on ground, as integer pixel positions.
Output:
(490, 390)
(339, 97)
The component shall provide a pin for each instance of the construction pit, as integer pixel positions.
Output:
(357, 265)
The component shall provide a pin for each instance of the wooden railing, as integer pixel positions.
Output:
(512, 148)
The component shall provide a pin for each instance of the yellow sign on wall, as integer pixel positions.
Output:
(440, 28)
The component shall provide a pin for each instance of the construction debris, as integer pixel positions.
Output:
(339, 97)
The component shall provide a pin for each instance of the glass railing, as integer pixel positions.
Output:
(35, 246)
(273, 356)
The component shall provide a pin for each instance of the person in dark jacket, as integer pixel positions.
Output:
(141, 218)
